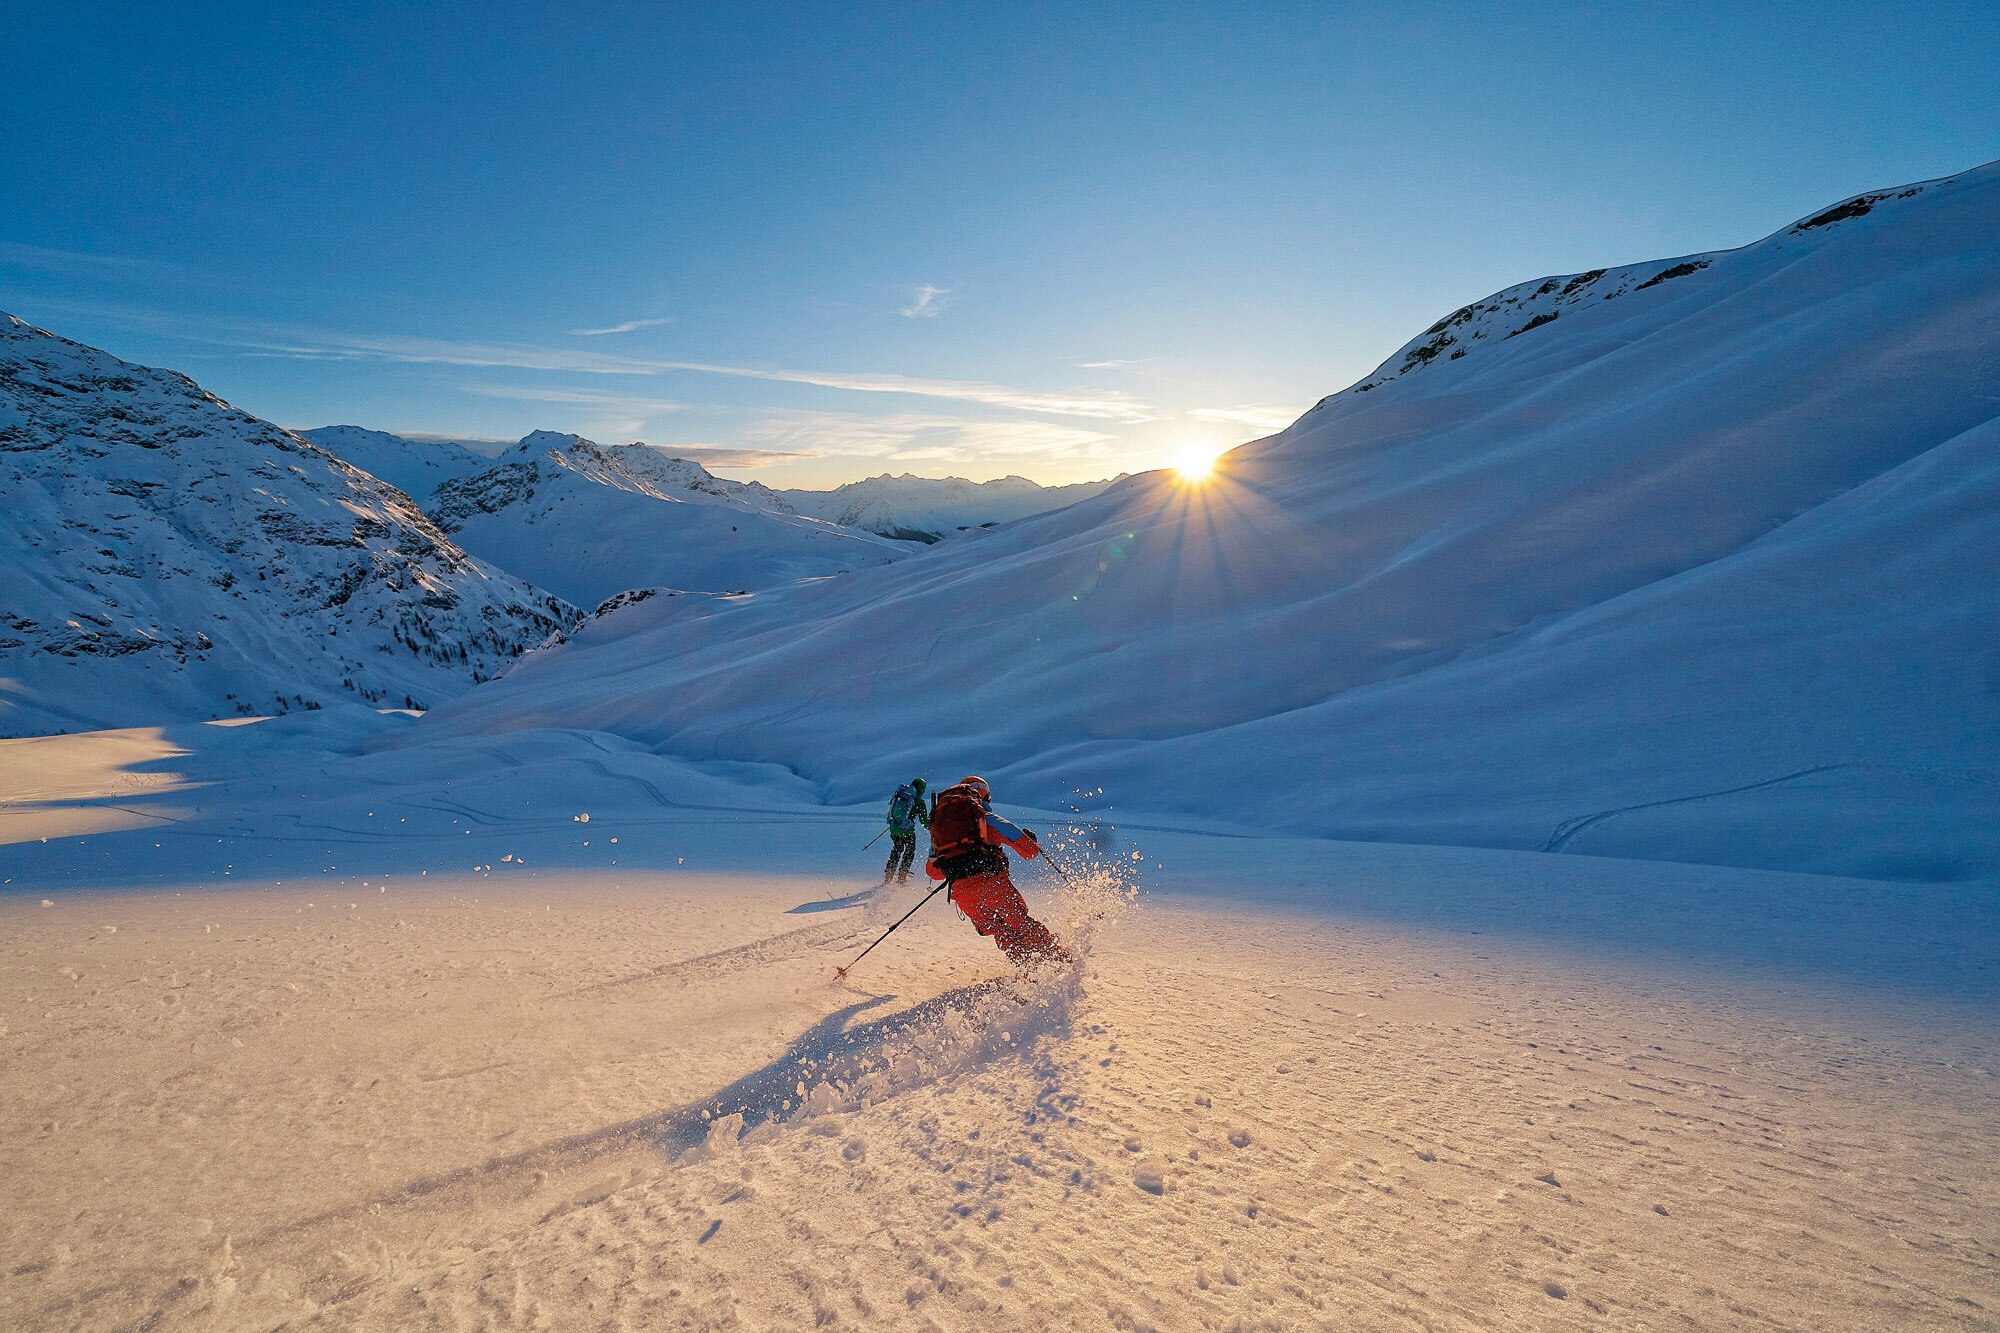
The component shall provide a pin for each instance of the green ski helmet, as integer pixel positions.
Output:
(917, 785)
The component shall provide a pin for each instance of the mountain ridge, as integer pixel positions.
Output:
(904, 506)
(171, 556)
(411, 466)
(589, 522)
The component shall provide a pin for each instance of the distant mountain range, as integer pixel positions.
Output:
(587, 522)
(927, 509)
(908, 508)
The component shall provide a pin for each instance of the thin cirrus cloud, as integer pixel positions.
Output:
(1110, 405)
(1103, 406)
(584, 397)
(923, 435)
(15, 255)
(627, 327)
(926, 302)
(1258, 416)
(722, 455)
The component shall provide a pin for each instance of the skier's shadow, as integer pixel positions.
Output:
(831, 904)
(822, 1054)
(827, 1052)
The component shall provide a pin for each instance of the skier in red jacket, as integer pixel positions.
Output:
(966, 842)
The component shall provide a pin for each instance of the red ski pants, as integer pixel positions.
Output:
(995, 906)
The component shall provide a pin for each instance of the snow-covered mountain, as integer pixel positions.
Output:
(1697, 559)
(168, 556)
(588, 522)
(928, 508)
(414, 467)
(684, 479)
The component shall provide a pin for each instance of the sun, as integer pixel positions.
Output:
(1194, 461)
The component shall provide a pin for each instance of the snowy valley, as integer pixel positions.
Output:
(1696, 571)
(1527, 834)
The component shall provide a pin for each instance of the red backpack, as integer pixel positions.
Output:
(955, 822)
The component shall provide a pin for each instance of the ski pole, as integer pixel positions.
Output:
(1053, 863)
(841, 972)
(872, 841)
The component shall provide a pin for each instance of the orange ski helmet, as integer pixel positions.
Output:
(978, 785)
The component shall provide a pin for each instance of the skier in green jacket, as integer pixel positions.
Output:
(906, 811)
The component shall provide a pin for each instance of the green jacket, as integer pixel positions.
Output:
(907, 810)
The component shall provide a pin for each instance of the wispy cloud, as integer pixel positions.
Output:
(925, 302)
(586, 397)
(1257, 416)
(15, 255)
(321, 344)
(1108, 406)
(722, 455)
(1113, 365)
(627, 327)
(910, 436)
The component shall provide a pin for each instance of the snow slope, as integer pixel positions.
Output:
(685, 479)
(927, 508)
(587, 522)
(414, 467)
(1690, 559)
(169, 556)
(336, 1037)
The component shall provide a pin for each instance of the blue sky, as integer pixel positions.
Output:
(824, 242)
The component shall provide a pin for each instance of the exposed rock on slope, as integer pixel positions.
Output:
(1702, 568)
(684, 479)
(587, 522)
(168, 556)
(1530, 305)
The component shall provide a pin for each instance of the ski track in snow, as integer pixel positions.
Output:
(1566, 831)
